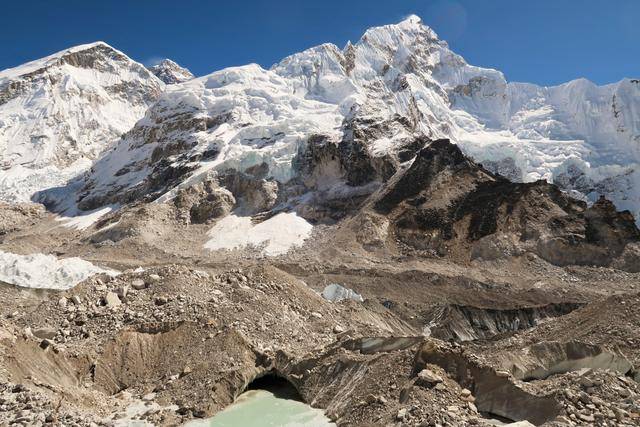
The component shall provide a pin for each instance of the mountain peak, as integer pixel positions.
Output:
(88, 46)
(411, 26)
(411, 20)
(66, 108)
(170, 72)
(56, 58)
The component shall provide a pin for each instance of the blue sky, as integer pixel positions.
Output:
(543, 41)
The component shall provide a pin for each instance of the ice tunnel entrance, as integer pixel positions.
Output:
(269, 400)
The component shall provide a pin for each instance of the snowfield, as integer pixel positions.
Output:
(46, 271)
(275, 236)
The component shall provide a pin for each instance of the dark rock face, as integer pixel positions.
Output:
(606, 224)
(204, 202)
(447, 203)
(429, 162)
(164, 176)
(340, 175)
(351, 160)
(506, 167)
(319, 150)
(356, 162)
(170, 161)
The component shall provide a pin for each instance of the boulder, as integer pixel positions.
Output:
(138, 284)
(204, 202)
(112, 300)
(428, 378)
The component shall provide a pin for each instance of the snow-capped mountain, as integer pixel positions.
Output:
(397, 82)
(170, 72)
(59, 112)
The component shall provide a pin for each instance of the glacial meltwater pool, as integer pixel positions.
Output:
(275, 407)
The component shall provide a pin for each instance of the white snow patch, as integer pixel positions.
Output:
(336, 293)
(84, 220)
(275, 236)
(46, 271)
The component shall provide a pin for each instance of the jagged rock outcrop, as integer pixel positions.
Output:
(448, 204)
(253, 194)
(170, 72)
(204, 202)
(338, 176)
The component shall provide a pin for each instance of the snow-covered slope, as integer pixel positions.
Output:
(59, 112)
(581, 136)
(275, 236)
(397, 82)
(170, 72)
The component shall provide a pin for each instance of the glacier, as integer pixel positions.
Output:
(46, 271)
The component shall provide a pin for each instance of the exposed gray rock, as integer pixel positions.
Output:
(170, 72)
(252, 194)
(204, 202)
(112, 300)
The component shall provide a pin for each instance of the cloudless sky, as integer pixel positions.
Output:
(540, 41)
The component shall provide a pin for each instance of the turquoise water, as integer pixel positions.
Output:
(262, 408)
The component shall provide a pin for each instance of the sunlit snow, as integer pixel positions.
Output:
(275, 236)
